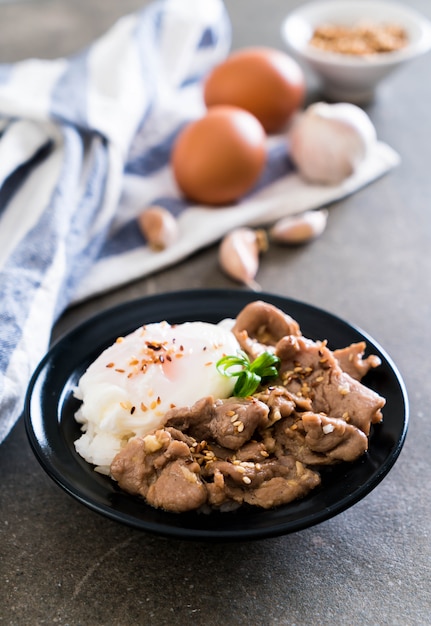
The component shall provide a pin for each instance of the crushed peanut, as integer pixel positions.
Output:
(299, 468)
(191, 477)
(152, 444)
(328, 428)
(361, 39)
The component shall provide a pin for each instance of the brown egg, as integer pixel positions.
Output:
(219, 157)
(266, 82)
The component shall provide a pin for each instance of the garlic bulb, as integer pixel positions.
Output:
(297, 229)
(239, 254)
(329, 141)
(159, 227)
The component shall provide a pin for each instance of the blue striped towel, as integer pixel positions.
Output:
(84, 147)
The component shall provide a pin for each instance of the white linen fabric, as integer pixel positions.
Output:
(84, 147)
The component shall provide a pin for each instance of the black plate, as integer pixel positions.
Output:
(51, 428)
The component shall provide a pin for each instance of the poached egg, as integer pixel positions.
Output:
(129, 388)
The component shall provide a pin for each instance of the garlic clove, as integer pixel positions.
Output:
(297, 229)
(239, 254)
(159, 227)
(329, 141)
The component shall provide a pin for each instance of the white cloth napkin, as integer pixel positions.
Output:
(84, 147)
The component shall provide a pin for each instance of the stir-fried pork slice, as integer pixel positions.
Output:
(280, 490)
(229, 423)
(316, 439)
(333, 437)
(352, 361)
(161, 468)
(252, 452)
(309, 370)
(281, 402)
(260, 325)
(265, 484)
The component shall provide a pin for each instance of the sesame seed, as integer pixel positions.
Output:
(110, 365)
(154, 346)
(246, 480)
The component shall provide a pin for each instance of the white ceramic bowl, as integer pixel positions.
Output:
(351, 78)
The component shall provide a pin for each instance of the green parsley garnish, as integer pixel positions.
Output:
(249, 374)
